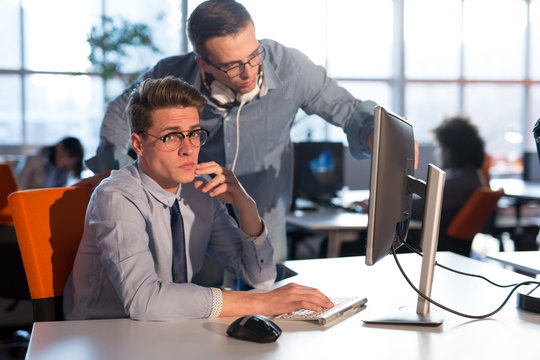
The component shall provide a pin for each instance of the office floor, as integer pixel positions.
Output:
(15, 327)
(15, 318)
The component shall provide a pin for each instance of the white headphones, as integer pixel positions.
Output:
(225, 97)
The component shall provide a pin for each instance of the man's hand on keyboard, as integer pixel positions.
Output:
(292, 297)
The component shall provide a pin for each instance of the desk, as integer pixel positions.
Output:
(526, 261)
(510, 334)
(341, 226)
(519, 190)
(524, 232)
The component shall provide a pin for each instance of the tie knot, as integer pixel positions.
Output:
(175, 208)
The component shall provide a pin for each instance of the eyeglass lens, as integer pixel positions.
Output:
(254, 61)
(174, 140)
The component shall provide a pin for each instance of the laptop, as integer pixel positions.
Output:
(342, 306)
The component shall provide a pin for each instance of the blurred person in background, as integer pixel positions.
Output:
(52, 165)
(460, 153)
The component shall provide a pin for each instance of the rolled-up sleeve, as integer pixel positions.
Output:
(320, 94)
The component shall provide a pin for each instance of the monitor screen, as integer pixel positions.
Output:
(318, 171)
(390, 200)
(531, 167)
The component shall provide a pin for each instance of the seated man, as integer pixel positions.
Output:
(137, 255)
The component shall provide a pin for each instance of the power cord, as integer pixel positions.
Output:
(427, 298)
(413, 249)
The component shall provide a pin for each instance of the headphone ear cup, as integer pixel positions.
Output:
(221, 93)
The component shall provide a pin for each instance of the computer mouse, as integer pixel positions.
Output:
(257, 328)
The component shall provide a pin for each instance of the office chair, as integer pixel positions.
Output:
(12, 279)
(474, 214)
(9, 185)
(49, 224)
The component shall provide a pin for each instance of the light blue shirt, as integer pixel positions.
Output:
(265, 159)
(123, 264)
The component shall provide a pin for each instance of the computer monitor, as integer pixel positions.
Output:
(391, 187)
(531, 167)
(318, 171)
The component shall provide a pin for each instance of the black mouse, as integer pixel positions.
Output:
(257, 328)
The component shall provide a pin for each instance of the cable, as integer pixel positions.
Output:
(413, 249)
(427, 298)
(237, 135)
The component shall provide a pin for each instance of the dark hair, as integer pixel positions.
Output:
(153, 94)
(74, 149)
(216, 18)
(460, 143)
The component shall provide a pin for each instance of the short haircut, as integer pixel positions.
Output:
(74, 149)
(216, 18)
(460, 143)
(154, 94)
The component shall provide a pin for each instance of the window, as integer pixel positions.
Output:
(46, 89)
(424, 59)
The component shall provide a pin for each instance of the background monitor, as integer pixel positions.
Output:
(318, 171)
(391, 187)
(531, 167)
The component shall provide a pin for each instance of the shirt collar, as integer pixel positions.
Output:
(164, 197)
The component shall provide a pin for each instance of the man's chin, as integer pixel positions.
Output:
(185, 178)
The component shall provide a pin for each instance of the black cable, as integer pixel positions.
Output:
(413, 249)
(427, 298)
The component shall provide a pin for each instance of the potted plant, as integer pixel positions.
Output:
(113, 42)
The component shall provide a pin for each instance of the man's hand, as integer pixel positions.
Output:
(225, 187)
(293, 297)
(282, 300)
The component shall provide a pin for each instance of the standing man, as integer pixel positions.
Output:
(255, 89)
(149, 225)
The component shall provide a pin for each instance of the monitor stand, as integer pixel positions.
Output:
(432, 191)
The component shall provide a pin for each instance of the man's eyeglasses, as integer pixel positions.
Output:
(237, 70)
(174, 140)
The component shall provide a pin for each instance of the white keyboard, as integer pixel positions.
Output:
(341, 306)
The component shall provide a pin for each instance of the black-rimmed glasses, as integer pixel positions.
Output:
(237, 70)
(174, 140)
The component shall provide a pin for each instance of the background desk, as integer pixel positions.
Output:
(525, 261)
(341, 226)
(510, 334)
(519, 190)
(523, 228)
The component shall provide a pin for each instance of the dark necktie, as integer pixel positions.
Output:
(179, 271)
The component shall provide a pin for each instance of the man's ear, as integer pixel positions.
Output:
(201, 63)
(136, 142)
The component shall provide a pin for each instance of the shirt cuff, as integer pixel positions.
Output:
(257, 240)
(217, 303)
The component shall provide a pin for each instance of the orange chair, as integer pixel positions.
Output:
(474, 214)
(49, 224)
(9, 185)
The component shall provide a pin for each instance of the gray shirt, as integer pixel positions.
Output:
(123, 264)
(265, 160)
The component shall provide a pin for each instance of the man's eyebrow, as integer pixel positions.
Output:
(177, 129)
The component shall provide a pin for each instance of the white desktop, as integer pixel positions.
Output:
(510, 334)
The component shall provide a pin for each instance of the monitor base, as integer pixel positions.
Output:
(405, 316)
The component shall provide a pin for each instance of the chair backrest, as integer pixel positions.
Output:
(474, 214)
(49, 224)
(8, 184)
